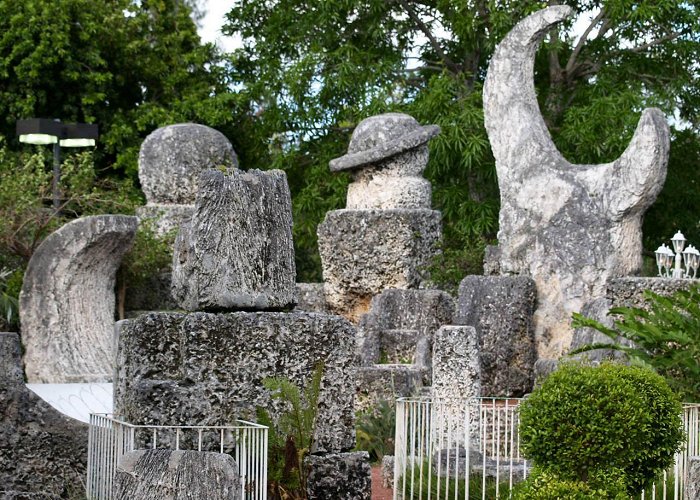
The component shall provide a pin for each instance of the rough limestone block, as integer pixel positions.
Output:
(388, 471)
(386, 383)
(339, 476)
(456, 381)
(171, 159)
(311, 298)
(208, 369)
(569, 227)
(692, 480)
(67, 302)
(43, 453)
(176, 475)
(500, 308)
(366, 251)
(237, 252)
(423, 311)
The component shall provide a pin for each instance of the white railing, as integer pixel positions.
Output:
(470, 449)
(110, 438)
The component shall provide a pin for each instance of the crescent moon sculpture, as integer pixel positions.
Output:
(570, 227)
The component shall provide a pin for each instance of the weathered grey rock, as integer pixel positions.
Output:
(166, 219)
(43, 453)
(207, 369)
(500, 308)
(237, 252)
(388, 471)
(398, 312)
(310, 298)
(67, 302)
(381, 137)
(171, 159)
(176, 475)
(456, 383)
(569, 227)
(364, 252)
(385, 383)
(692, 480)
(387, 155)
(339, 476)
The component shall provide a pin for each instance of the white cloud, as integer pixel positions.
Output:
(211, 24)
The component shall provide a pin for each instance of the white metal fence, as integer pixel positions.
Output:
(470, 449)
(110, 438)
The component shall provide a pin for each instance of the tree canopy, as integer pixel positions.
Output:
(310, 71)
(128, 66)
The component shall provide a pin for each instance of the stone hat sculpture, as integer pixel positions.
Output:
(380, 137)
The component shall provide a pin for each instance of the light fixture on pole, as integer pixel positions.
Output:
(669, 263)
(46, 131)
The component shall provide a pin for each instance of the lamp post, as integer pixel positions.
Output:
(67, 135)
(669, 263)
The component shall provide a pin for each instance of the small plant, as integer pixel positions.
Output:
(665, 336)
(290, 437)
(586, 420)
(375, 431)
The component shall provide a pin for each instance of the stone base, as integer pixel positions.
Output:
(366, 251)
(386, 383)
(339, 476)
(311, 298)
(176, 475)
(500, 308)
(208, 369)
(43, 453)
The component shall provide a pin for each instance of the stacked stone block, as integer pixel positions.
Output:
(500, 309)
(387, 235)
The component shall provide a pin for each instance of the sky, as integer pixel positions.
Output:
(210, 29)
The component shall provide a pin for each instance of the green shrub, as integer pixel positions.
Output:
(585, 420)
(665, 335)
(545, 485)
(375, 431)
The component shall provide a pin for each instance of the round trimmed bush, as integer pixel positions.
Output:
(584, 420)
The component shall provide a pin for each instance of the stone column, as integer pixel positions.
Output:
(692, 480)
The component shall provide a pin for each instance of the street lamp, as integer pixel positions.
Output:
(67, 135)
(669, 261)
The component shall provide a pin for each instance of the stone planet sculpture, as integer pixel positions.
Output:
(66, 305)
(570, 227)
(387, 155)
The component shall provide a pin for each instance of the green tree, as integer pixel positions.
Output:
(310, 71)
(129, 66)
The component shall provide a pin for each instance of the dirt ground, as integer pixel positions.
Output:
(378, 491)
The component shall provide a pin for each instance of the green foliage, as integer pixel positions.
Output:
(545, 485)
(586, 420)
(26, 214)
(375, 431)
(291, 434)
(310, 71)
(9, 299)
(664, 334)
(128, 66)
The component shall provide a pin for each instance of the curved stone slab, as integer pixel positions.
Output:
(570, 227)
(67, 300)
